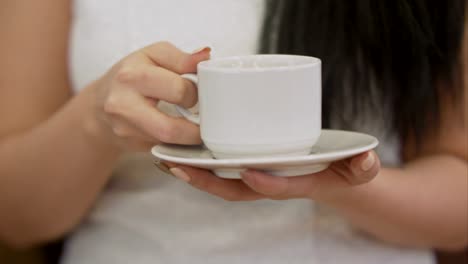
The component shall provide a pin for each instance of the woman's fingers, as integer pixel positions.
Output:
(135, 109)
(326, 184)
(228, 189)
(131, 89)
(168, 56)
(125, 130)
(268, 185)
(339, 176)
(311, 186)
(165, 128)
(159, 83)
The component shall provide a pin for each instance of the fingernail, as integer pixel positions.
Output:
(200, 50)
(163, 167)
(368, 162)
(180, 174)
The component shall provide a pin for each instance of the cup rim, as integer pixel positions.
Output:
(307, 62)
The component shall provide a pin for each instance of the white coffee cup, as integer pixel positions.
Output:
(258, 105)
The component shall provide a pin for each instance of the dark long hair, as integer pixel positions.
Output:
(405, 54)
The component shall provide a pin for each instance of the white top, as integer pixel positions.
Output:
(145, 216)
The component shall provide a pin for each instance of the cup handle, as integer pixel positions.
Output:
(194, 118)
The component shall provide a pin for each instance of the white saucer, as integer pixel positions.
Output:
(332, 145)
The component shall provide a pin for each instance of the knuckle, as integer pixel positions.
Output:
(112, 104)
(164, 44)
(125, 75)
(120, 131)
(142, 76)
(129, 74)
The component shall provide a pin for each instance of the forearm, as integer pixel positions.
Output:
(423, 205)
(51, 174)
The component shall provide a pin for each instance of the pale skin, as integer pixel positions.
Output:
(57, 150)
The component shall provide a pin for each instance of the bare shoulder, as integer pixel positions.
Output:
(33, 66)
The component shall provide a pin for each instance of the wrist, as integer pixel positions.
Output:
(95, 128)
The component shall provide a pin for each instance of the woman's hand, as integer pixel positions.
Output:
(126, 97)
(321, 186)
